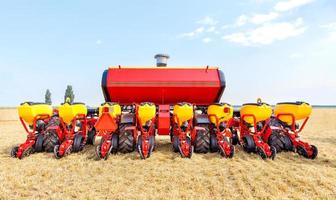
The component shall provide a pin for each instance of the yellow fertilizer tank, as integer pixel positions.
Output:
(261, 111)
(300, 110)
(146, 112)
(114, 109)
(183, 111)
(29, 110)
(223, 111)
(68, 111)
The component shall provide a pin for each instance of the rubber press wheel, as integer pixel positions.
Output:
(78, 143)
(315, 152)
(302, 151)
(213, 143)
(39, 143)
(115, 143)
(91, 136)
(248, 144)
(14, 151)
(261, 153)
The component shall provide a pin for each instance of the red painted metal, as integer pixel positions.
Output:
(163, 86)
(69, 133)
(256, 135)
(105, 126)
(145, 135)
(31, 134)
(164, 120)
(184, 146)
(293, 134)
(224, 136)
(106, 123)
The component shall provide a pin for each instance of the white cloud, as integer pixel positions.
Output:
(331, 31)
(206, 40)
(191, 34)
(211, 29)
(262, 18)
(290, 4)
(99, 42)
(255, 19)
(240, 38)
(267, 34)
(199, 30)
(207, 21)
(242, 20)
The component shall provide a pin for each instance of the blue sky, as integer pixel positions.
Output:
(277, 50)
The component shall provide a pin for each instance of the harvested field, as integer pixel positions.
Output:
(167, 176)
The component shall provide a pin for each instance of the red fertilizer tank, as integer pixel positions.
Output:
(163, 84)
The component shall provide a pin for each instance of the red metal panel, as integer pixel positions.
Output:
(163, 120)
(163, 86)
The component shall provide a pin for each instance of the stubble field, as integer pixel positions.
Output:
(167, 176)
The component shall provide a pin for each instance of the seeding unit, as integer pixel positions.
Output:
(180, 102)
(288, 114)
(33, 117)
(253, 123)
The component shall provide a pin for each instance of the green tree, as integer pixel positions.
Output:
(47, 97)
(69, 94)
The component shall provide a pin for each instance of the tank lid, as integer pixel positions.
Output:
(161, 59)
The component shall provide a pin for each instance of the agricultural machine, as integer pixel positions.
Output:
(164, 101)
(180, 102)
(285, 128)
(33, 117)
(254, 119)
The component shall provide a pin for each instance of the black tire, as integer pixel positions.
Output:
(151, 146)
(213, 143)
(39, 143)
(91, 136)
(98, 152)
(288, 143)
(152, 143)
(261, 153)
(302, 151)
(235, 139)
(202, 141)
(115, 143)
(14, 151)
(232, 151)
(191, 149)
(126, 140)
(50, 140)
(276, 140)
(274, 152)
(176, 142)
(56, 154)
(315, 152)
(78, 143)
(248, 144)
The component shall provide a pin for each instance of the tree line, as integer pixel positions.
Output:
(69, 95)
